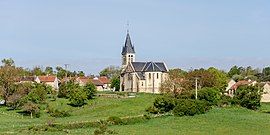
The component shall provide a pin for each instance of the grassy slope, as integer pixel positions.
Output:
(233, 121)
(100, 108)
(217, 121)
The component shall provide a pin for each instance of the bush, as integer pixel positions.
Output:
(164, 104)
(115, 83)
(78, 97)
(38, 94)
(212, 95)
(190, 107)
(65, 89)
(58, 112)
(152, 110)
(91, 90)
(32, 109)
(248, 97)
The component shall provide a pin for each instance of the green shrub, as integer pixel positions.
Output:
(58, 112)
(226, 101)
(164, 104)
(77, 97)
(38, 93)
(91, 90)
(248, 97)
(152, 110)
(190, 107)
(32, 109)
(212, 95)
(65, 89)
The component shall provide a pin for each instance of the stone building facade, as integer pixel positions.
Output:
(140, 76)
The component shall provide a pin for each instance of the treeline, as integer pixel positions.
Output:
(197, 91)
(59, 71)
(31, 97)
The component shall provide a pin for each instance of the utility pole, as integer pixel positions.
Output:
(196, 87)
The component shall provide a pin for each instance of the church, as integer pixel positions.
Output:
(140, 76)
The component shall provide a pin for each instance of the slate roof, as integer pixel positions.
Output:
(128, 48)
(149, 66)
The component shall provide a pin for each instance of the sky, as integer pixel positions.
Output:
(89, 34)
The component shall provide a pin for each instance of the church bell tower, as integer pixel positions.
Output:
(128, 52)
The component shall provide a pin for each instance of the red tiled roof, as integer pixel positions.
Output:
(97, 82)
(83, 79)
(240, 83)
(47, 78)
(104, 79)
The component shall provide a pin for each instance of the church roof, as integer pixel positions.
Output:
(128, 48)
(149, 67)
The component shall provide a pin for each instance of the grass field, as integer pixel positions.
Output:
(233, 120)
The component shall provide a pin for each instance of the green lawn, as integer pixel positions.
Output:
(100, 108)
(231, 120)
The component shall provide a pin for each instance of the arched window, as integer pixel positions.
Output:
(149, 75)
(157, 75)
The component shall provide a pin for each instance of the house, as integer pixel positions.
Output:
(27, 79)
(231, 90)
(266, 92)
(48, 80)
(99, 85)
(140, 76)
(82, 81)
(105, 80)
(230, 84)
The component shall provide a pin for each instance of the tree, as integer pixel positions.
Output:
(81, 73)
(220, 78)
(248, 96)
(249, 71)
(37, 71)
(66, 88)
(175, 83)
(110, 71)
(31, 108)
(115, 83)
(38, 93)
(177, 73)
(8, 62)
(237, 78)
(78, 97)
(234, 71)
(206, 79)
(91, 90)
(49, 70)
(9, 75)
(16, 100)
(61, 73)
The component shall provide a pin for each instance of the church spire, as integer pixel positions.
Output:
(128, 48)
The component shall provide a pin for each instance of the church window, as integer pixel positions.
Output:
(149, 75)
(157, 75)
(142, 83)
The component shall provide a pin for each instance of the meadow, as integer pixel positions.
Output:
(229, 120)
